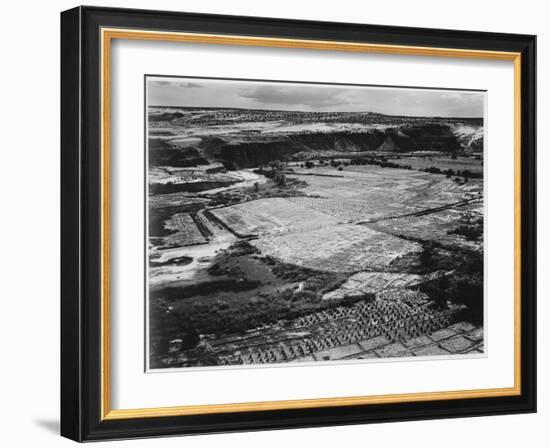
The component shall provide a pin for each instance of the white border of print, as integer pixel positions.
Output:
(132, 388)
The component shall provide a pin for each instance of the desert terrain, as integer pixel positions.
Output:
(278, 236)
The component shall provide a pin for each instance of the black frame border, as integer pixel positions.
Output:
(81, 223)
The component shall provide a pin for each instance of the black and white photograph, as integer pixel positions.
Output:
(302, 222)
(286, 220)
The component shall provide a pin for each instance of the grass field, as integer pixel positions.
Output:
(337, 248)
(371, 192)
(272, 216)
(319, 230)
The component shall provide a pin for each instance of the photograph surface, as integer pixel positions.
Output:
(303, 222)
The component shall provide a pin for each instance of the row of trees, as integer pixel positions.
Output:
(466, 174)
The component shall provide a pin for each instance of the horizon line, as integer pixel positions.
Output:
(317, 112)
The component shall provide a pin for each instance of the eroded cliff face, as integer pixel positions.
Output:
(238, 142)
(469, 136)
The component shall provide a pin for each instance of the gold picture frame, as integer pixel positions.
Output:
(106, 33)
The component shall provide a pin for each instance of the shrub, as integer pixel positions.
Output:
(427, 255)
(280, 179)
(433, 170)
(464, 287)
(468, 290)
(449, 173)
(471, 233)
(437, 290)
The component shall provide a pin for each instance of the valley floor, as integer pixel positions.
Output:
(332, 263)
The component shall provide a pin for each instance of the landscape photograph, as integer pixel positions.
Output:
(297, 223)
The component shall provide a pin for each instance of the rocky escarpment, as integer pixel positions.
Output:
(162, 152)
(248, 138)
(251, 151)
(469, 137)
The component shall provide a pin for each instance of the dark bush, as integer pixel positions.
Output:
(280, 179)
(243, 247)
(437, 290)
(471, 233)
(427, 255)
(433, 170)
(468, 290)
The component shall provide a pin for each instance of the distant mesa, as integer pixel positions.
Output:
(245, 138)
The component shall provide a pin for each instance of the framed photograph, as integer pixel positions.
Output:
(275, 224)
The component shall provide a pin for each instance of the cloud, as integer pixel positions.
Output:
(314, 97)
(190, 85)
(175, 83)
(462, 97)
(451, 95)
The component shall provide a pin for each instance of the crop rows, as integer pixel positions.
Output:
(186, 232)
(364, 322)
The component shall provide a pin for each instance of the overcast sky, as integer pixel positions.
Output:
(187, 92)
